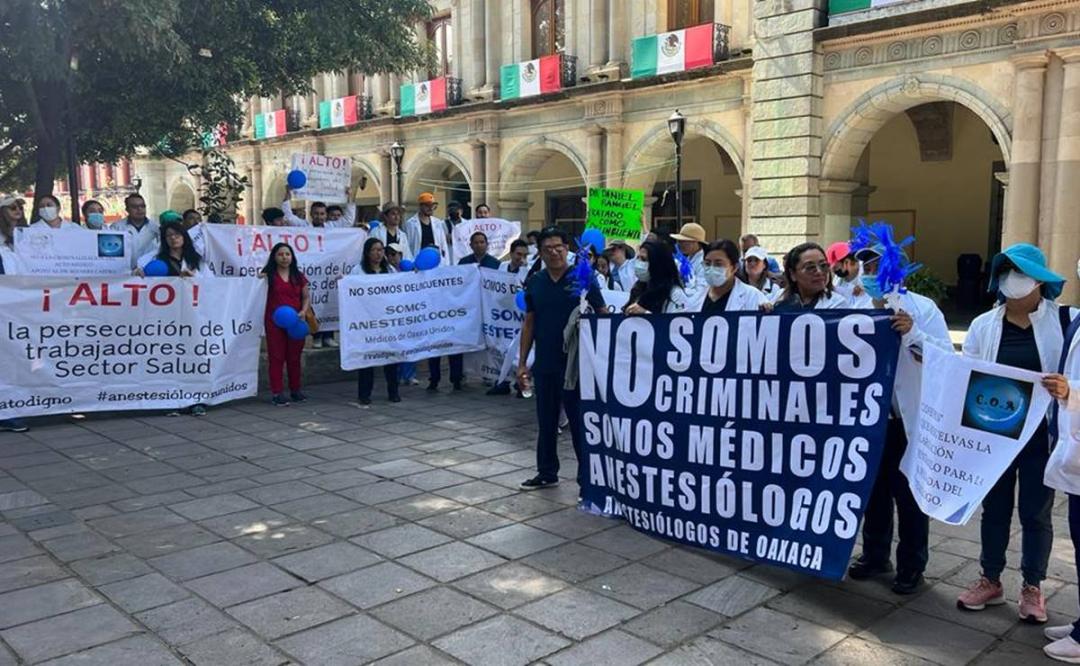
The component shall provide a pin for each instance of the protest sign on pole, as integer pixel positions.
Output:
(404, 317)
(974, 418)
(322, 254)
(127, 343)
(501, 323)
(500, 234)
(75, 253)
(327, 177)
(752, 435)
(616, 213)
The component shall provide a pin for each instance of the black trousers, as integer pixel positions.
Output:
(891, 490)
(365, 381)
(457, 372)
(550, 395)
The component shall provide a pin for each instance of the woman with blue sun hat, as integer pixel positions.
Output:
(1024, 330)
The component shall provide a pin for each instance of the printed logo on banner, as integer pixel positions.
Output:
(110, 245)
(671, 45)
(997, 405)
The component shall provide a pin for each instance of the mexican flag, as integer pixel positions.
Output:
(844, 6)
(339, 112)
(676, 51)
(535, 77)
(269, 125)
(423, 97)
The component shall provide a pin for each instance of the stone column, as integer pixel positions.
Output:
(491, 176)
(618, 37)
(1065, 228)
(256, 192)
(836, 212)
(386, 178)
(493, 53)
(1021, 223)
(476, 166)
(613, 156)
(516, 210)
(477, 61)
(598, 36)
(250, 210)
(595, 157)
(646, 223)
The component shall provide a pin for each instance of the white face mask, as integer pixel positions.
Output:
(1015, 284)
(641, 270)
(716, 276)
(48, 213)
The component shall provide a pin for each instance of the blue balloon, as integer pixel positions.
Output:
(594, 237)
(520, 300)
(407, 265)
(299, 330)
(427, 259)
(296, 179)
(374, 224)
(285, 316)
(156, 268)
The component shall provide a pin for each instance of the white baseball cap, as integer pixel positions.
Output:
(756, 252)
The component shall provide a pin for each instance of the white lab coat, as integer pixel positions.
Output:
(834, 302)
(403, 239)
(1063, 468)
(12, 265)
(147, 239)
(743, 297)
(438, 231)
(626, 274)
(291, 218)
(65, 225)
(984, 334)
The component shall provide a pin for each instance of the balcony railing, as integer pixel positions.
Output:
(567, 70)
(680, 50)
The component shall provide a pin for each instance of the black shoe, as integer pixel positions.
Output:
(13, 425)
(297, 396)
(433, 388)
(907, 582)
(457, 386)
(364, 401)
(280, 400)
(538, 482)
(863, 568)
(395, 398)
(502, 388)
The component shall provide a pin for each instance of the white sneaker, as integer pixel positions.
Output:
(1066, 650)
(332, 343)
(1057, 633)
(316, 343)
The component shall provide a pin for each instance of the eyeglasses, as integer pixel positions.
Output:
(554, 249)
(815, 268)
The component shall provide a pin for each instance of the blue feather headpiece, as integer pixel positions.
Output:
(686, 269)
(583, 271)
(893, 265)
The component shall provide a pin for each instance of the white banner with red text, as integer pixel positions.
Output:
(405, 317)
(323, 255)
(501, 322)
(121, 343)
(500, 234)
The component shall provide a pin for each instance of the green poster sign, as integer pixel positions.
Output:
(616, 213)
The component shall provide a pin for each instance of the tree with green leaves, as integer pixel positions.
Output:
(109, 76)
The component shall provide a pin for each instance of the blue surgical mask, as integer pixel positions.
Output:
(95, 220)
(872, 288)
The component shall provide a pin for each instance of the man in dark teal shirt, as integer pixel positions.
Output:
(479, 244)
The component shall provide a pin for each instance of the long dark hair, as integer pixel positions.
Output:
(188, 253)
(663, 277)
(384, 265)
(791, 263)
(270, 269)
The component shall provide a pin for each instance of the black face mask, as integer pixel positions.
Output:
(842, 273)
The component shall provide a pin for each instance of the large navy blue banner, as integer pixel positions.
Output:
(753, 435)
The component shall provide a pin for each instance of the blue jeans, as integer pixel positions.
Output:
(406, 372)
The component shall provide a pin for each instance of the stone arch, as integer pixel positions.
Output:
(367, 169)
(429, 168)
(853, 129)
(521, 164)
(656, 148)
(182, 196)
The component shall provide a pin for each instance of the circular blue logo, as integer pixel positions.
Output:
(995, 404)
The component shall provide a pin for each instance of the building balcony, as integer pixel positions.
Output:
(844, 12)
(540, 76)
(431, 96)
(680, 50)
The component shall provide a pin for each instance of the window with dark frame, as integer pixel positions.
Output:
(440, 34)
(548, 27)
(688, 13)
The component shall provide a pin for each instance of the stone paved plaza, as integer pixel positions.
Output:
(329, 534)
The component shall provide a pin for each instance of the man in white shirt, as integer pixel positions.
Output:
(692, 239)
(143, 232)
(426, 230)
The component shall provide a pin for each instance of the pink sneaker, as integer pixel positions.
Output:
(981, 594)
(1032, 605)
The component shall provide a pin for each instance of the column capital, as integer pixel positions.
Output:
(1071, 54)
(1002, 177)
(838, 186)
(1030, 60)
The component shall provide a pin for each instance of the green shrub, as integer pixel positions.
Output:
(927, 284)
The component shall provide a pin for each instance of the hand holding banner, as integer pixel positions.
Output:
(75, 253)
(328, 177)
(502, 321)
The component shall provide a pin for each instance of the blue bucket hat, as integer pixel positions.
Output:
(1030, 261)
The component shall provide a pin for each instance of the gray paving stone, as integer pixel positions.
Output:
(834, 608)
(640, 586)
(316, 506)
(132, 651)
(185, 621)
(574, 562)
(20, 499)
(466, 522)
(434, 479)
(244, 584)
(60, 635)
(519, 643)
(280, 492)
(171, 540)
(379, 492)
(211, 507)
(147, 501)
(351, 640)
(401, 540)
(376, 584)
(201, 561)
(612, 647)
(673, 624)
(433, 612)
(451, 561)
(15, 547)
(234, 647)
(327, 561)
(282, 540)
(510, 585)
(939, 641)
(215, 487)
(577, 613)
(732, 596)
(110, 568)
(854, 651)
(940, 601)
(419, 507)
(165, 483)
(418, 654)
(475, 492)
(28, 572)
(706, 651)
(144, 592)
(571, 523)
(256, 521)
(138, 522)
(516, 541)
(290, 612)
(698, 566)
(342, 479)
(79, 546)
(360, 521)
(34, 603)
(778, 636)
(624, 541)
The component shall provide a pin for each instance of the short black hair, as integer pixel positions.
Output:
(88, 203)
(481, 205)
(331, 208)
(270, 214)
(727, 247)
(453, 205)
(190, 211)
(533, 234)
(133, 195)
(318, 204)
(551, 232)
(475, 234)
(518, 243)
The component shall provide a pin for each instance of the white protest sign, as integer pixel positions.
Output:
(974, 418)
(500, 234)
(75, 253)
(502, 321)
(404, 317)
(127, 343)
(327, 177)
(615, 299)
(322, 254)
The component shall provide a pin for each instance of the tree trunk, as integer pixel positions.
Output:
(48, 160)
